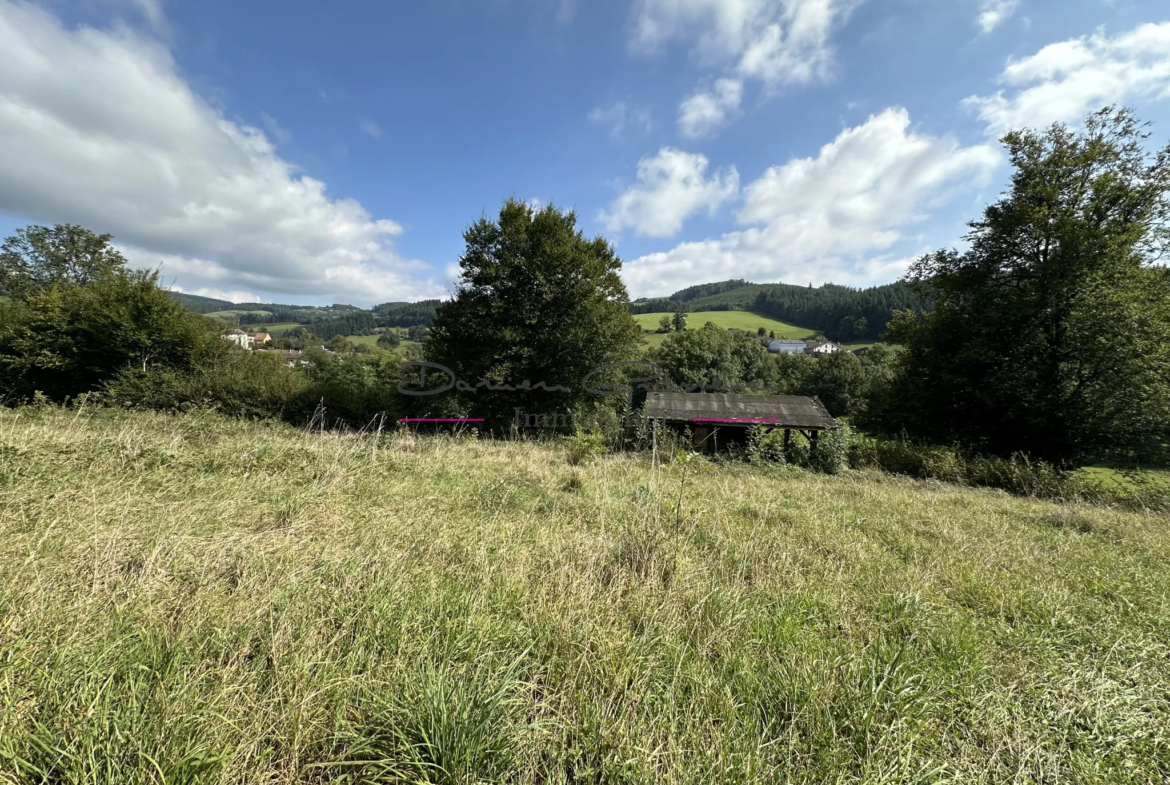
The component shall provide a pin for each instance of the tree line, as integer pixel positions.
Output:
(406, 314)
(841, 313)
(1048, 336)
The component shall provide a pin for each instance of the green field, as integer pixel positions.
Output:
(237, 313)
(277, 330)
(1128, 481)
(372, 340)
(191, 599)
(740, 320)
(368, 340)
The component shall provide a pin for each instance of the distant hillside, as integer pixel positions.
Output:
(406, 314)
(202, 304)
(705, 290)
(840, 312)
(322, 321)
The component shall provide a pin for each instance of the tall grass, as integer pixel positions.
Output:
(1133, 489)
(191, 599)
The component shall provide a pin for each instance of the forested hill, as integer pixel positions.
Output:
(199, 304)
(842, 313)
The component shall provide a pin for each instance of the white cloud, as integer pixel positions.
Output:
(778, 42)
(834, 217)
(994, 12)
(775, 40)
(1065, 81)
(795, 49)
(371, 128)
(671, 186)
(619, 118)
(723, 27)
(99, 130)
(704, 112)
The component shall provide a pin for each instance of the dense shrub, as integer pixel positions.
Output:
(763, 446)
(832, 453)
(831, 456)
(70, 338)
(1018, 474)
(237, 382)
(355, 388)
(584, 445)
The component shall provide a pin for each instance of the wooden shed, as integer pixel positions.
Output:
(718, 419)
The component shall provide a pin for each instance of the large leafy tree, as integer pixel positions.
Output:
(712, 357)
(537, 301)
(1050, 335)
(78, 317)
(38, 257)
(841, 380)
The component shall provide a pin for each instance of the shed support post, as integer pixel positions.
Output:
(787, 440)
(812, 443)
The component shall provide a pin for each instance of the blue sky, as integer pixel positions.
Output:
(317, 153)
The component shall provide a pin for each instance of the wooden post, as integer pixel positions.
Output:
(812, 443)
(787, 440)
(654, 443)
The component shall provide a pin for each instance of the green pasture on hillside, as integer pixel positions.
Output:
(740, 320)
(240, 314)
(1128, 480)
(278, 330)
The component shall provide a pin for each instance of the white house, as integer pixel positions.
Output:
(784, 346)
(820, 348)
(240, 337)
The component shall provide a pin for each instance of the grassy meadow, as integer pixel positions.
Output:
(278, 330)
(739, 320)
(237, 314)
(191, 599)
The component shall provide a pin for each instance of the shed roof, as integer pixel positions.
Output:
(778, 411)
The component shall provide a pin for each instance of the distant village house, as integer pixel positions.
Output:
(243, 339)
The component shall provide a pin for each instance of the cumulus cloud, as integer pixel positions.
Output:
(672, 186)
(619, 118)
(994, 12)
(1065, 81)
(704, 112)
(100, 130)
(777, 42)
(834, 217)
(721, 27)
(795, 49)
